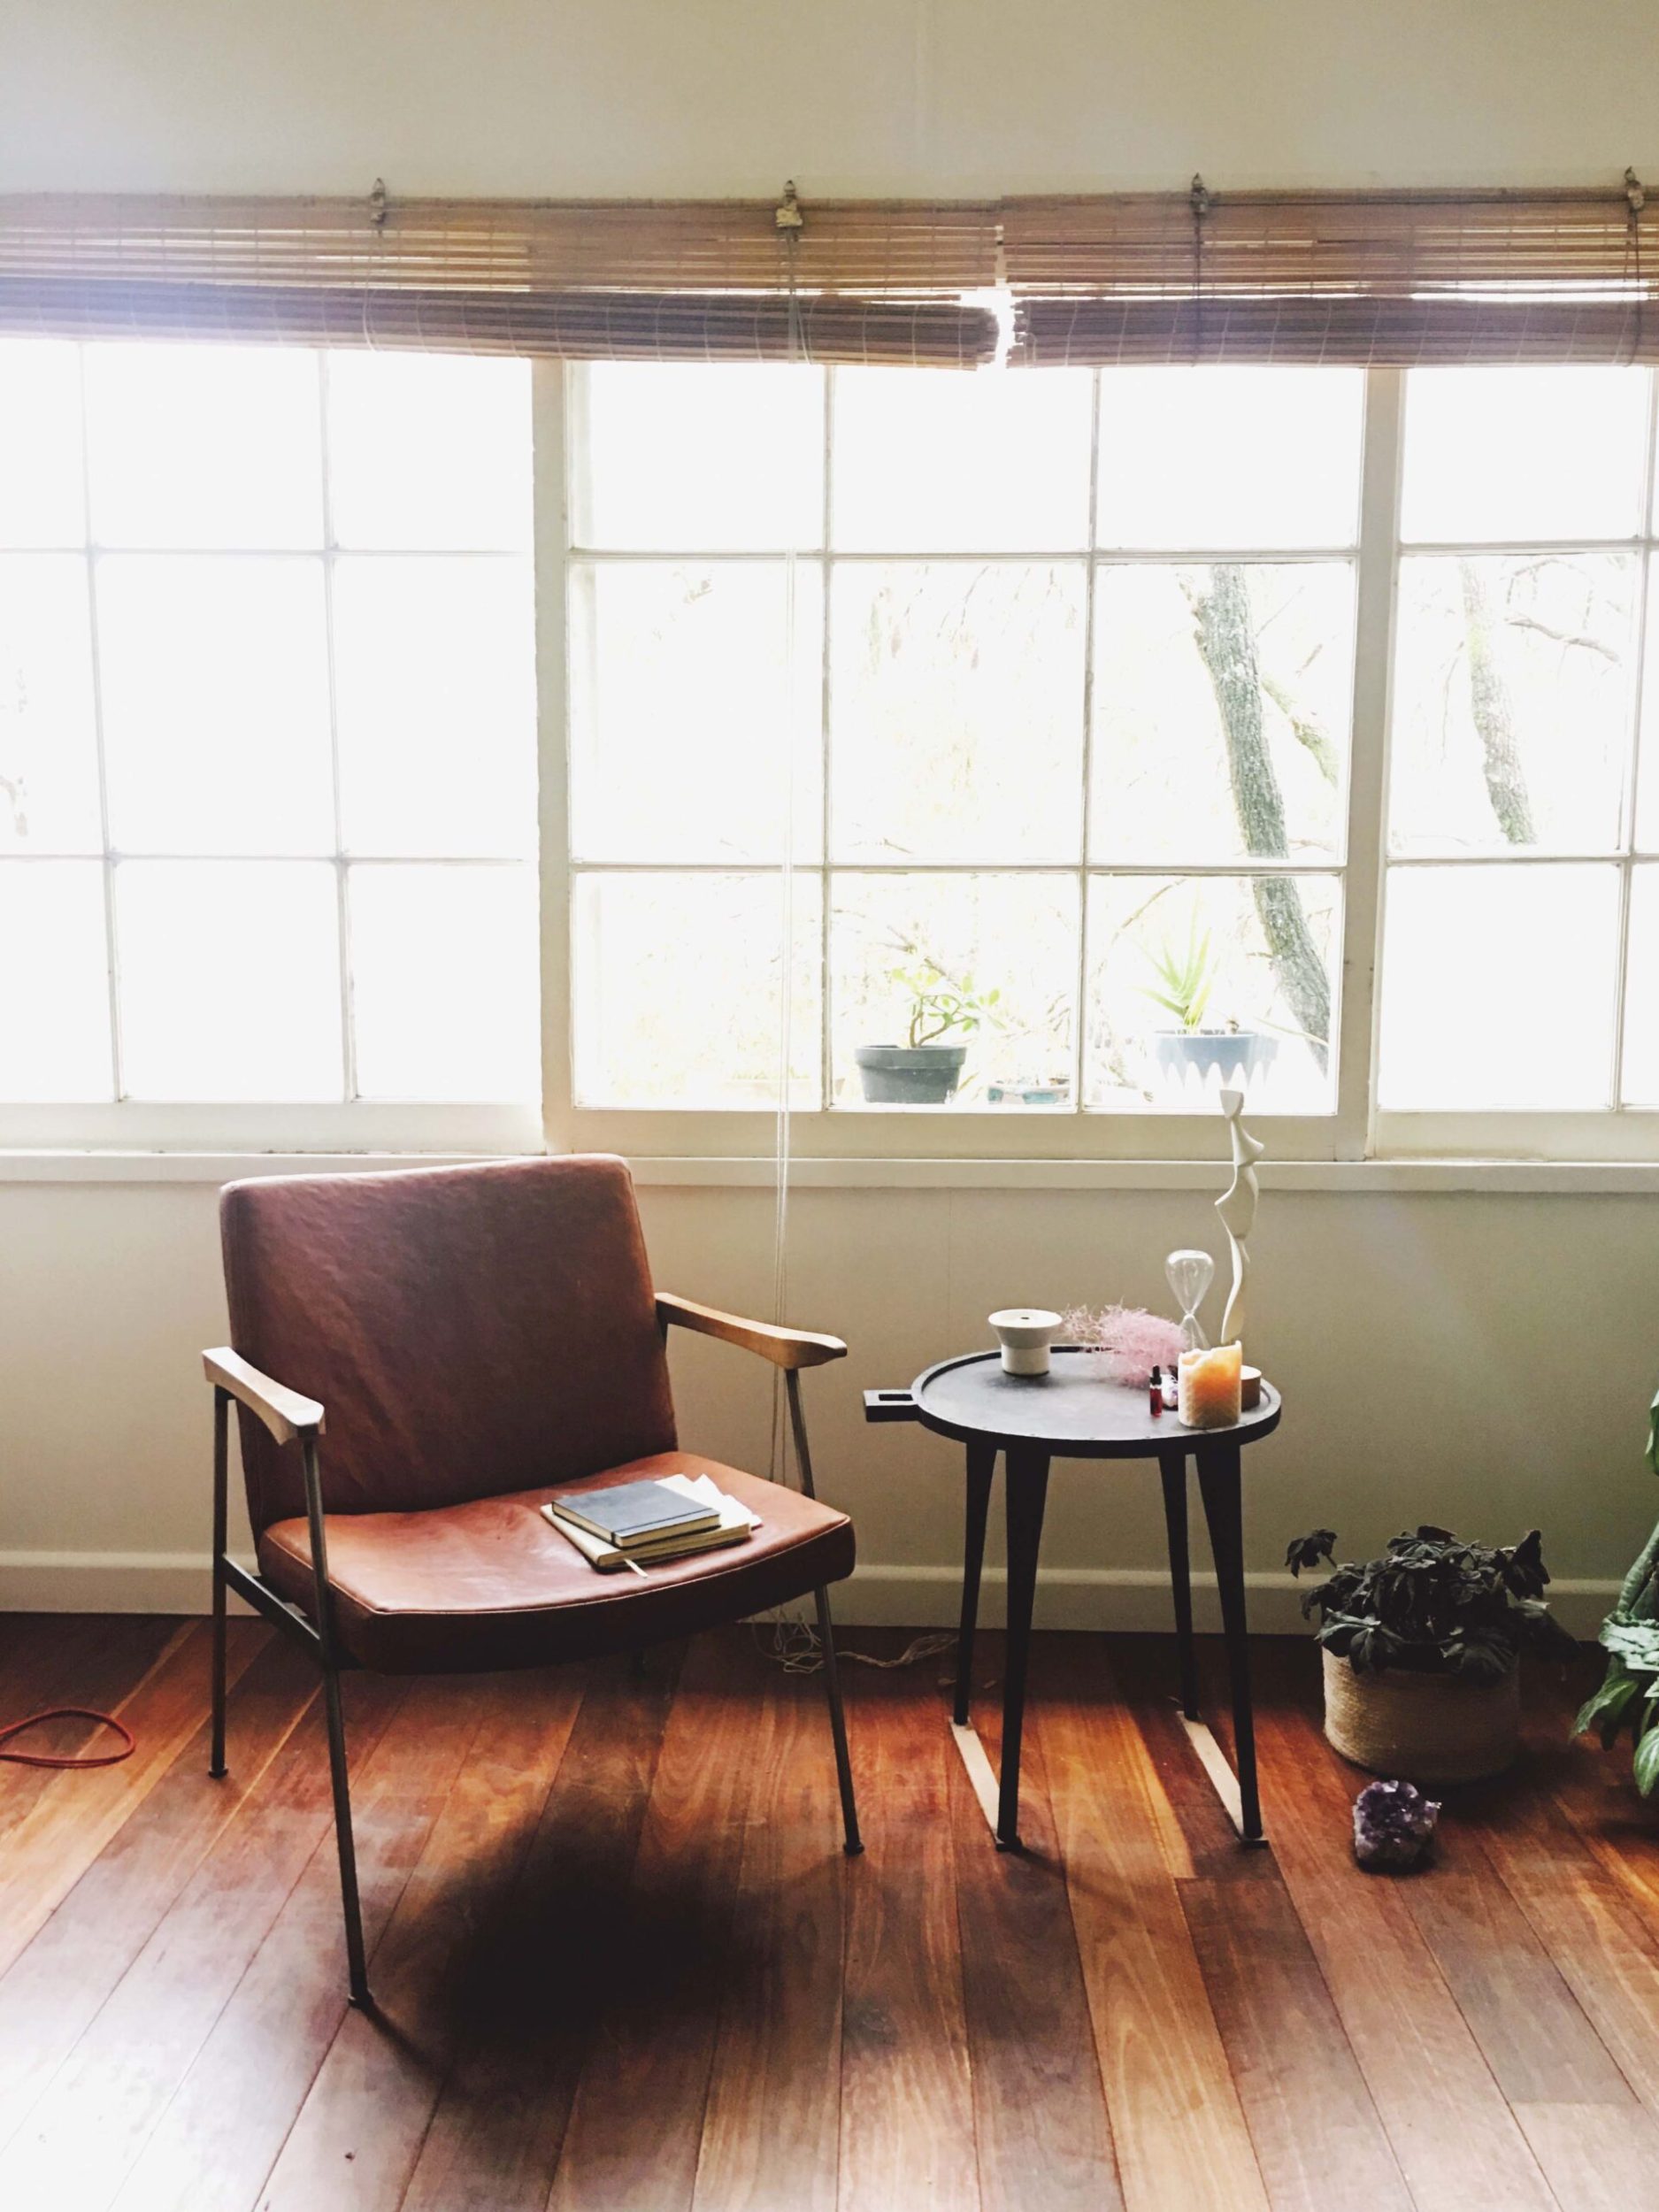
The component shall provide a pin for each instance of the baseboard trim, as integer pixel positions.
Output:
(1127, 1598)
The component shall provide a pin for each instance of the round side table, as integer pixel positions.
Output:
(1071, 1414)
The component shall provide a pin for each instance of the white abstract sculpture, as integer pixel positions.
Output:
(1236, 1208)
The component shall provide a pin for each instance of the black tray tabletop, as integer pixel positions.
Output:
(1071, 1411)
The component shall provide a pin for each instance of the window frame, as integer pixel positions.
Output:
(961, 1132)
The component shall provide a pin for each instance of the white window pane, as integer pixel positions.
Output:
(42, 500)
(980, 967)
(1641, 993)
(1523, 454)
(1197, 984)
(49, 768)
(444, 982)
(1498, 988)
(434, 670)
(54, 982)
(429, 451)
(937, 461)
(215, 688)
(1512, 702)
(681, 691)
(684, 457)
(1648, 766)
(229, 979)
(677, 982)
(204, 446)
(956, 710)
(1222, 700)
(1225, 457)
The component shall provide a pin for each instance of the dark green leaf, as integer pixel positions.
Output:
(1606, 1712)
(1646, 1764)
(1308, 1551)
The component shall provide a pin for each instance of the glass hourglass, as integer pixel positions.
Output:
(1189, 1275)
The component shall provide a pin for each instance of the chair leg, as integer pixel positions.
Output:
(221, 1448)
(854, 1843)
(356, 1967)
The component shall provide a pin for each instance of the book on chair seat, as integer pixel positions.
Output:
(727, 1522)
(631, 1514)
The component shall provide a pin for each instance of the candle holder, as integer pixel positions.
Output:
(1211, 1387)
(1189, 1275)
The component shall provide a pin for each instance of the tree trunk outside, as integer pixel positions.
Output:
(1494, 722)
(1227, 639)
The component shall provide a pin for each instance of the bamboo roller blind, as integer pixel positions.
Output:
(1388, 277)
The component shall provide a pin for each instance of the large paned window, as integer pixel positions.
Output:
(267, 745)
(988, 765)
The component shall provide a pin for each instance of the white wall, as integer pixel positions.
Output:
(1478, 1359)
(914, 96)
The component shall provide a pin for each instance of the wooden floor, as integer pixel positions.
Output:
(620, 1961)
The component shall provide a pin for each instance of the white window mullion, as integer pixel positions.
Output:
(554, 459)
(1368, 762)
(1632, 768)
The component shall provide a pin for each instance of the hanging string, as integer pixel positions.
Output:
(790, 222)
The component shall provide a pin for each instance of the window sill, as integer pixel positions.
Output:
(1610, 1178)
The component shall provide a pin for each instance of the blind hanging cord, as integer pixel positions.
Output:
(1199, 196)
(1635, 200)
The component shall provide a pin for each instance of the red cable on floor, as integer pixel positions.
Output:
(66, 1712)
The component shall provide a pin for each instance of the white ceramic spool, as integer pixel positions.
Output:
(1025, 1334)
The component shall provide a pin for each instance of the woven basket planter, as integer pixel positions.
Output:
(1422, 1727)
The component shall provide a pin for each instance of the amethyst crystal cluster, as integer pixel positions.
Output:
(1393, 1823)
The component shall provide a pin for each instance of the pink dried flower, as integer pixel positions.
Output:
(1130, 1341)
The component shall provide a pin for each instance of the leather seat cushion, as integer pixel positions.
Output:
(489, 1583)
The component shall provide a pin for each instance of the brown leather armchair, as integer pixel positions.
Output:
(471, 1338)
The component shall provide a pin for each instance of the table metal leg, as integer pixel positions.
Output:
(1172, 1466)
(1222, 1491)
(981, 1468)
(1027, 1492)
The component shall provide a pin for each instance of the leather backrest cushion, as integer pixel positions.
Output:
(468, 1330)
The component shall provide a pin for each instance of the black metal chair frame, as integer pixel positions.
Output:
(321, 1641)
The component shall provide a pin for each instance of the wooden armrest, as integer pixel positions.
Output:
(784, 1347)
(284, 1412)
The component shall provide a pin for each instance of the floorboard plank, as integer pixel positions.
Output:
(494, 2142)
(366, 2113)
(1318, 2139)
(55, 1987)
(907, 2092)
(636, 2120)
(1180, 2131)
(1456, 2138)
(73, 1816)
(81, 2137)
(1044, 2142)
(55, 1659)
(770, 2129)
(225, 2125)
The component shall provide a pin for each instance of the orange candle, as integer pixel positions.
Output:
(1210, 1387)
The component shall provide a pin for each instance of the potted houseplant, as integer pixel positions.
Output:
(925, 1069)
(1422, 1650)
(1197, 1045)
(1629, 1695)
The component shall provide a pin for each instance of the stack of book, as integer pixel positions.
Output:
(635, 1524)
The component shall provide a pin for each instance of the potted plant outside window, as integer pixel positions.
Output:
(1422, 1650)
(926, 1070)
(1198, 1047)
